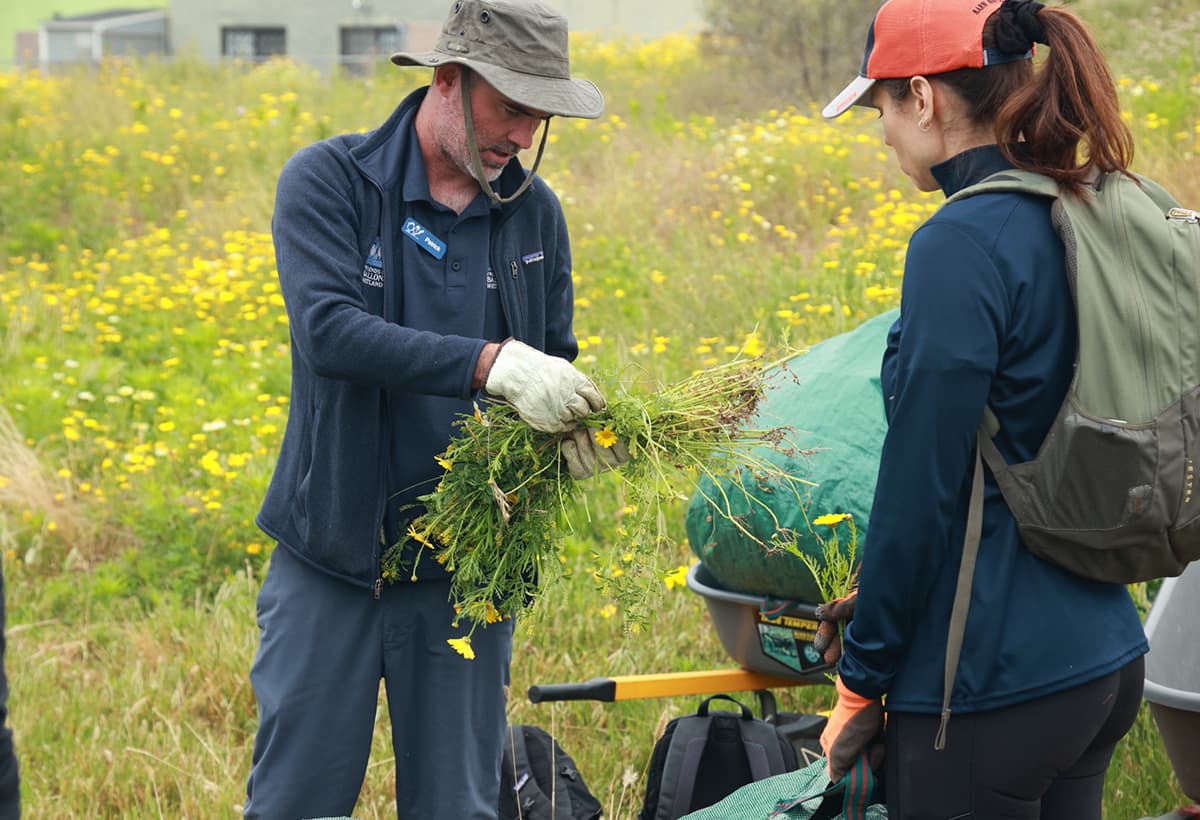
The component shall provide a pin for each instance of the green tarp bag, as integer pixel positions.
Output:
(830, 399)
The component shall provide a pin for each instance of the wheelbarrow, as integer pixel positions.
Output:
(771, 641)
(1173, 680)
(772, 645)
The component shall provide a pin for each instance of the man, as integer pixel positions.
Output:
(406, 256)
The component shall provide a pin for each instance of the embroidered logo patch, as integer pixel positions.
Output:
(530, 258)
(424, 239)
(492, 284)
(372, 275)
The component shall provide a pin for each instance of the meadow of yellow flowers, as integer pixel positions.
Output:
(143, 342)
(145, 351)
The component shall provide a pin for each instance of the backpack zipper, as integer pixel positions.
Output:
(1184, 215)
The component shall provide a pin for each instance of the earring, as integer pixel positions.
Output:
(923, 125)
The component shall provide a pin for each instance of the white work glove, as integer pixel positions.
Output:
(547, 392)
(586, 457)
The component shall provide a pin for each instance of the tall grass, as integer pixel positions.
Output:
(145, 381)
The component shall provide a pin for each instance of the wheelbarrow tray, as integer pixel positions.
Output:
(765, 634)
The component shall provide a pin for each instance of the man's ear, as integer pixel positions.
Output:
(446, 77)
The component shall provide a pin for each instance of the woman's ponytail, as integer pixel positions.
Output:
(1068, 118)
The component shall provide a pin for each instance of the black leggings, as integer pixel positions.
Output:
(1041, 760)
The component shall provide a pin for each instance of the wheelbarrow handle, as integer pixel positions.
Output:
(601, 689)
(634, 687)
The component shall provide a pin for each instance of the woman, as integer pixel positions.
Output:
(1051, 671)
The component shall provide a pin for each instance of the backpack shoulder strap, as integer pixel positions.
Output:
(962, 591)
(764, 751)
(1009, 180)
(689, 737)
(527, 792)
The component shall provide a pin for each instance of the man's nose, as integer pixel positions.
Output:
(522, 131)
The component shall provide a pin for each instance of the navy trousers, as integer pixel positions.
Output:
(324, 647)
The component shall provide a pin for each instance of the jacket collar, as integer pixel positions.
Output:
(380, 157)
(969, 167)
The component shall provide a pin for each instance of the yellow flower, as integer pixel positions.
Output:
(676, 577)
(830, 519)
(753, 345)
(463, 647)
(418, 536)
(606, 438)
(445, 463)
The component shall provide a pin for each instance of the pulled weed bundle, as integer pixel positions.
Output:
(498, 517)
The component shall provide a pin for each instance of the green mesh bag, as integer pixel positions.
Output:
(802, 795)
(830, 399)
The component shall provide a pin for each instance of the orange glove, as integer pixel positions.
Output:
(828, 640)
(855, 726)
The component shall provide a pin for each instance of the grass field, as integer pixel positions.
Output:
(144, 351)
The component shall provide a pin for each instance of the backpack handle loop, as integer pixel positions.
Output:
(703, 710)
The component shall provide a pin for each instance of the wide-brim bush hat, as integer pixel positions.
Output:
(520, 48)
(908, 38)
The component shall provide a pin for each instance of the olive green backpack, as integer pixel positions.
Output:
(1110, 495)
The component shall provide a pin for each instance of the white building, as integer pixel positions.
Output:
(325, 33)
(91, 37)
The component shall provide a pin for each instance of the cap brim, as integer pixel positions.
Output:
(557, 96)
(851, 95)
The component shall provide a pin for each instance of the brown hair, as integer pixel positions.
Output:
(1065, 115)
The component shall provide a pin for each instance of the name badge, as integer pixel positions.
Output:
(424, 239)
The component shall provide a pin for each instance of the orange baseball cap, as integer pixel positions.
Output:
(922, 37)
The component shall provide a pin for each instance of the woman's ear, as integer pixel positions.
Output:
(923, 99)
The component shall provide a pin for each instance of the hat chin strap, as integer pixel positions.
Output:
(473, 147)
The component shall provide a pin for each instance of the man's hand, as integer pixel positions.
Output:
(547, 392)
(852, 730)
(832, 615)
(586, 457)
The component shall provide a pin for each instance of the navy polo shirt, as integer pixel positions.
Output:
(444, 285)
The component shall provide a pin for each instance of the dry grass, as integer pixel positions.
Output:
(69, 534)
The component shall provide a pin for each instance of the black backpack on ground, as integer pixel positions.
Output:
(539, 781)
(704, 757)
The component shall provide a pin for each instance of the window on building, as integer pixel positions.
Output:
(253, 44)
(363, 46)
